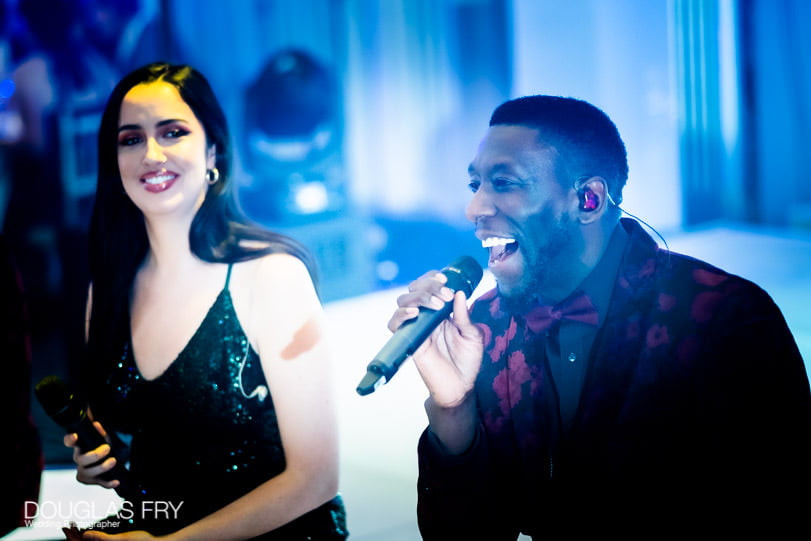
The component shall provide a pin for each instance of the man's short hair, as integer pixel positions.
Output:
(587, 141)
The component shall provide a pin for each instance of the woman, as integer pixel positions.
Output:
(205, 339)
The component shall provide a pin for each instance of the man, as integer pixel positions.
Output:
(599, 360)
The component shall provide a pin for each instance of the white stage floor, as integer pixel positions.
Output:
(379, 432)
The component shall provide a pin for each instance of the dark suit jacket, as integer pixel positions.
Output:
(694, 381)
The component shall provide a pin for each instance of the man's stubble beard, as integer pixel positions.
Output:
(542, 268)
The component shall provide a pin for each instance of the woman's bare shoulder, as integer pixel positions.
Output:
(280, 275)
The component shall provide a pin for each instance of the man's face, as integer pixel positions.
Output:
(521, 211)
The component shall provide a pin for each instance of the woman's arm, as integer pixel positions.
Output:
(284, 321)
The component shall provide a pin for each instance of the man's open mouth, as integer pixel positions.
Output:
(500, 248)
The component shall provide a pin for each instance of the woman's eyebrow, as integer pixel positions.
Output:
(159, 124)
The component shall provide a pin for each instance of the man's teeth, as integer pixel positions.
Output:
(158, 179)
(496, 241)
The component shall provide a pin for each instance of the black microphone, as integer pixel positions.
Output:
(463, 274)
(64, 408)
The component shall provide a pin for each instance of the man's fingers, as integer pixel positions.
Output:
(436, 285)
(460, 314)
(434, 275)
(401, 315)
(420, 291)
(434, 298)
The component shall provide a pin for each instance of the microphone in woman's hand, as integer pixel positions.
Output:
(66, 410)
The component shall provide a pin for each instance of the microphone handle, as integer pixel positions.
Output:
(88, 438)
(408, 338)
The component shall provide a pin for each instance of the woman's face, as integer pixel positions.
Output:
(162, 152)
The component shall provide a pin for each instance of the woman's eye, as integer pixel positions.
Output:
(128, 140)
(176, 132)
(474, 185)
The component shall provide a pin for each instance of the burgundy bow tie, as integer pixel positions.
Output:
(577, 307)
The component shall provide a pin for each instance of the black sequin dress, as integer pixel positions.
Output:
(203, 433)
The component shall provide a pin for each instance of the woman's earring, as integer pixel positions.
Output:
(212, 175)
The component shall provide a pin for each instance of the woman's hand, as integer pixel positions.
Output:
(92, 464)
(138, 535)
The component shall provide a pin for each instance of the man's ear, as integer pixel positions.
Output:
(592, 199)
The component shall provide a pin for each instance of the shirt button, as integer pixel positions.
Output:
(572, 357)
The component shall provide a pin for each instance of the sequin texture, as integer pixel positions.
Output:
(197, 436)
(205, 432)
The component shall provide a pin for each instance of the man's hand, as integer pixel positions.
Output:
(449, 360)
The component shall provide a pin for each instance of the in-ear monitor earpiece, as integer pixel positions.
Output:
(589, 201)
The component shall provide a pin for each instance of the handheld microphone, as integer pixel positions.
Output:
(463, 274)
(63, 407)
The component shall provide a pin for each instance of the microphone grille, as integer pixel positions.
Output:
(468, 270)
(53, 394)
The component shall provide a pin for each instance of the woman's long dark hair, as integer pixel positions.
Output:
(118, 239)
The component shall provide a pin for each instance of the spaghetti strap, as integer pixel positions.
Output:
(228, 276)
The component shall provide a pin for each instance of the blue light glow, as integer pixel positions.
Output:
(6, 89)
